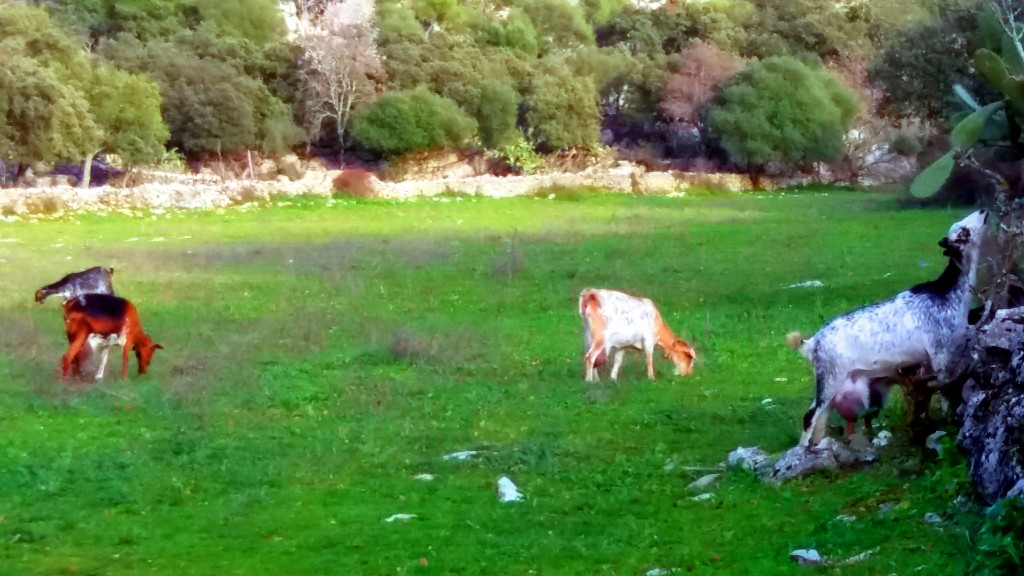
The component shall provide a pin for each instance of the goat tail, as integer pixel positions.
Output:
(795, 340)
(587, 299)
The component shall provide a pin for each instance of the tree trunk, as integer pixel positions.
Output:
(87, 170)
(20, 173)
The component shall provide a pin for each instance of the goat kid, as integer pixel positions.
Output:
(614, 321)
(95, 280)
(113, 318)
(858, 356)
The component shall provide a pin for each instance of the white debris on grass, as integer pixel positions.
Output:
(806, 556)
(702, 497)
(423, 476)
(933, 518)
(882, 438)
(703, 482)
(858, 557)
(660, 571)
(507, 491)
(464, 455)
(934, 441)
(400, 517)
(807, 284)
(750, 458)
(846, 518)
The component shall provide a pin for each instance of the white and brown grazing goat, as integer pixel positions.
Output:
(859, 355)
(614, 321)
(107, 316)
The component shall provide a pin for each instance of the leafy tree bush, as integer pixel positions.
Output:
(496, 112)
(127, 112)
(519, 156)
(560, 24)
(516, 32)
(936, 55)
(45, 111)
(826, 29)
(562, 108)
(405, 121)
(781, 110)
(41, 116)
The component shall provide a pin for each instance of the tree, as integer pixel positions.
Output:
(127, 112)
(560, 24)
(496, 113)
(562, 108)
(936, 55)
(44, 111)
(341, 69)
(41, 117)
(400, 122)
(694, 80)
(781, 110)
(827, 29)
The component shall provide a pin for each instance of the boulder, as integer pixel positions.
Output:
(992, 432)
(291, 166)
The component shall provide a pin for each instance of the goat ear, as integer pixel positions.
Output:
(944, 243)
(158, 346)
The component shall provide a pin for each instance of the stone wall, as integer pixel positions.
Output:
(163, 190)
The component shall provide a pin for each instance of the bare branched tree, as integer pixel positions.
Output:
(342, 67)
(696, 76)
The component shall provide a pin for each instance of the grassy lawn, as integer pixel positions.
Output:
(321, 355)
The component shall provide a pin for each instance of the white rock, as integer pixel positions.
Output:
(882, 438)
(507, 491)
(1017, 491)
(934, 441)
(703, 482)
(750, 458)
(806, 556)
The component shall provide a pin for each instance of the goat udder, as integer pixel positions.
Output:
(850, 405)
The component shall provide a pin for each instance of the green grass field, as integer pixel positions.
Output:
(319, 355)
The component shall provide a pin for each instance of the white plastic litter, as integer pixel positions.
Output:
(507, 491)
(702, 497)
(424, 476)
(464, 455)
(400, 517)
(807, 284)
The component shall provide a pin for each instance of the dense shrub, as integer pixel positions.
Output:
(782, 110)
(562, 109)
(496, 113)
(405, 121)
